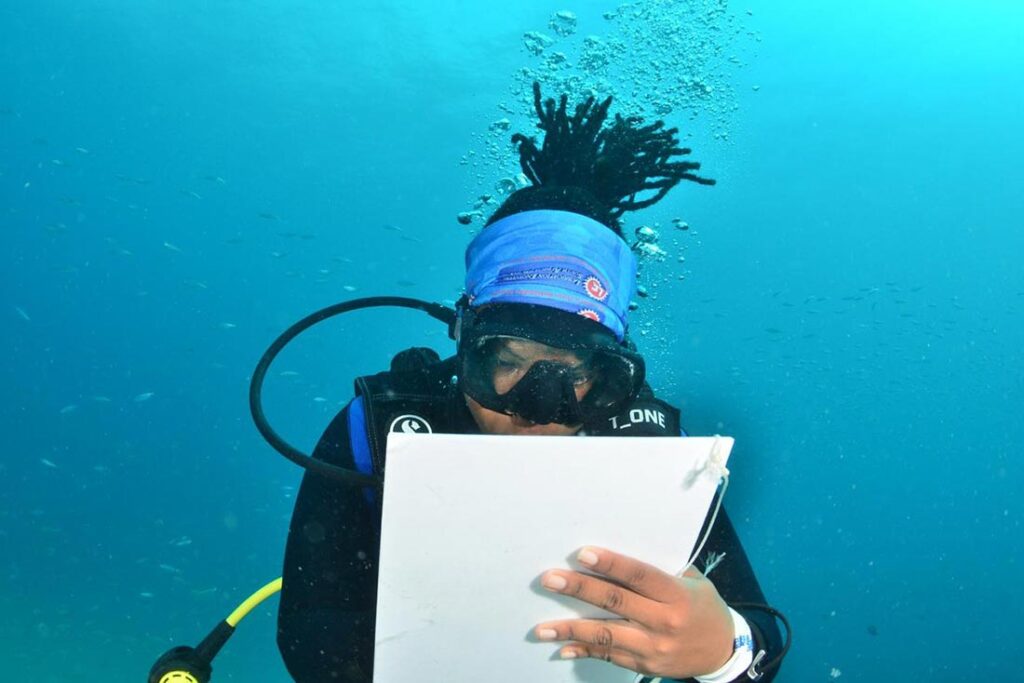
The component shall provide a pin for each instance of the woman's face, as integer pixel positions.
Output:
(514, 358)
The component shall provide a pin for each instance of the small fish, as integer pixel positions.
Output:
(49, 463)
(319, 399)
(70, 408)
(56, 162)
(81, 150)
(266, 215)
(190, 193)
(181, 542)
(171, 569)
(145, 594)
(144, 396)
(22, 314)
(228, 326)
(349, 288)
(101, 399)
(199, 592)
(289, 373)
(172, 247)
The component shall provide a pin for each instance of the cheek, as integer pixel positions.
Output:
(554, 430)
(496, 423)
(489, 421)
(503, 383)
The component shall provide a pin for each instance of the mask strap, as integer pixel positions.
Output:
(463, 320)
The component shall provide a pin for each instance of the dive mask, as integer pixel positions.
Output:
(607, 375)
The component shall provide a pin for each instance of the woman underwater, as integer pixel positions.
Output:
(542, 348)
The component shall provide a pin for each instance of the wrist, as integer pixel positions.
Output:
(742, 654)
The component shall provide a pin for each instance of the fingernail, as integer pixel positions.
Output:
(569, 654)
(587, 557)
(547, 633)
(554, 582)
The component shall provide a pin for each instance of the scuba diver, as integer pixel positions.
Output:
(542, 347)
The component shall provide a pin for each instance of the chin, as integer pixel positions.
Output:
(520, 426)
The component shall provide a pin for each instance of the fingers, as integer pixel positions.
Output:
(618, 657)
(639, 577)
(608, 640)
(596, 591)
(596, 635)
(655, 606)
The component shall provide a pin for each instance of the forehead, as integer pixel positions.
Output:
(526, 348)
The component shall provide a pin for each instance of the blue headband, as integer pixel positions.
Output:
(557, 259)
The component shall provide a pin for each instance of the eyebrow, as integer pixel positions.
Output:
(578, 364)
(506, 349)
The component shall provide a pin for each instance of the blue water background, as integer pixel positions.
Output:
(179, 181)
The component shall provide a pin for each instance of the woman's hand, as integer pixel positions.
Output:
(674, 627)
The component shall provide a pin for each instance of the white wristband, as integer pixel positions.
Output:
(742, 655)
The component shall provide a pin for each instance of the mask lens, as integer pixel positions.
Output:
(617, 379)
(545, 390)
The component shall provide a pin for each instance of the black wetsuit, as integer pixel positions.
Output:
(326, 618)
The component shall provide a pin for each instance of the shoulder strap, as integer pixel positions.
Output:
(358, 436)
(646, 416)
(407, 400)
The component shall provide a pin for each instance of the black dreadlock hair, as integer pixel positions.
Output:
(593, 170)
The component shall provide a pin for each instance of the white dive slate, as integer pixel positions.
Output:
(470, 522)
